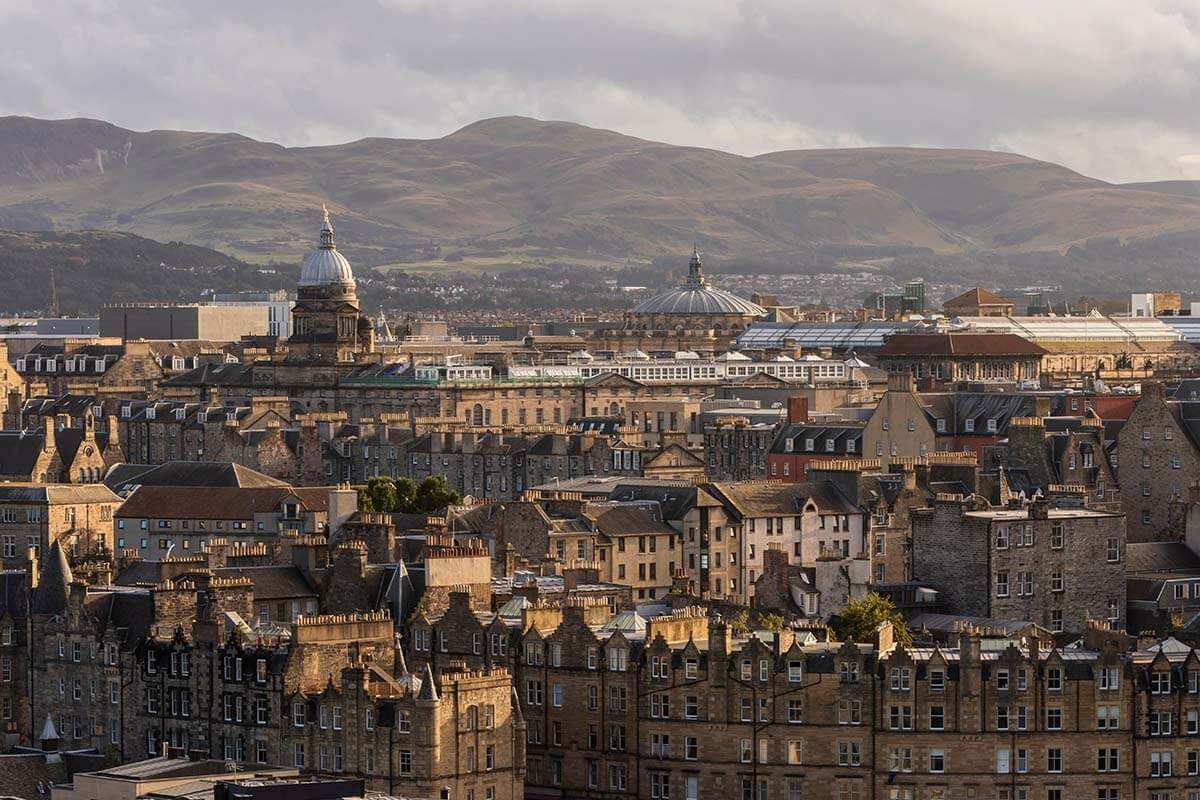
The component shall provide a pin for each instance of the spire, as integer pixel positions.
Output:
(695, 269)
(428, 689)
(326, 230)
(54, 584)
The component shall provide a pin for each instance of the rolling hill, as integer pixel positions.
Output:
(96, 267)
(525, 189)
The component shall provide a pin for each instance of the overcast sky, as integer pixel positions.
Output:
(1107, 87)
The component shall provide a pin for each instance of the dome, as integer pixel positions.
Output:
(697, 297)
(325, 265)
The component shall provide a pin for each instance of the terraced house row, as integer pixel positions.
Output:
(680, 706)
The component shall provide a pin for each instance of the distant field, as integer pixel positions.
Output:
(510, 261)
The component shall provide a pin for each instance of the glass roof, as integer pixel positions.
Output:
(838, 335)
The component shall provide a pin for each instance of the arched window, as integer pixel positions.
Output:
(477, 415)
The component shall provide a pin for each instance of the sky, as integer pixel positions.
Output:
(1110, 88)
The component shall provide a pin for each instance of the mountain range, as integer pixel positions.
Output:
(521, 190)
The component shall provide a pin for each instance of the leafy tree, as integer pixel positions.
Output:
(406, 495)
(433, 494)
(365, 504)
(739, 623)
(772, 622)
(382, 492)
(862, 615)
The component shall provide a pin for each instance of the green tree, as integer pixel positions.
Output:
(862, 615)
(433, 494)
(772, 622)
(365, 504)
(739, 623)
(382, 492)
(406, 495)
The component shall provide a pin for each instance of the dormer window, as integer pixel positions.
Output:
(969, 426)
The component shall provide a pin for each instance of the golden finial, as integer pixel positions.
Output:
(325, 213)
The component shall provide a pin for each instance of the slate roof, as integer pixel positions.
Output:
(631, 520)
(54, 582)
(272, 582)
(674, 501)
(68, 440)
(213, 375)
(782, 499)
(30, 775)
(800, 433)
(188, 473)
(222, 502)
(19, 451)
(1148, 557)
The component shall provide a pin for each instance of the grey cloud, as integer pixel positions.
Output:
(1107, 86)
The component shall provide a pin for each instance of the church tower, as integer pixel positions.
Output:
(327, 325)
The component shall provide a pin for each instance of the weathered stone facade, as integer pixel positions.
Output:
(1059, 568)
(1157, 457)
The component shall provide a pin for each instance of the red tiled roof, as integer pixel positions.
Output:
(958, 344)
(975, 297)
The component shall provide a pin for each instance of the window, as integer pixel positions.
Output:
(691, 748)
(1160, 682)
(1108, 717)
(900, 718)
(1160, 764)
(901, 679)
(1109, 679)
(849, 754)
(937, 760)
(937, 680)
(1107, 759)
(1054, 679)
(1114, 548)
(1001, 584)
(1054, 760)
(937, 718)
(1054, 719)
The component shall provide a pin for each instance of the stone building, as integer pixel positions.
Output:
(35, 516)
(950, 357)
(735, 449)
(1072, 451)
(189, 663)
(327, 325)
(57, 452)
(1158, 452)
(155, 521)
(810, 522)
(1058, 567)
(695, 316)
